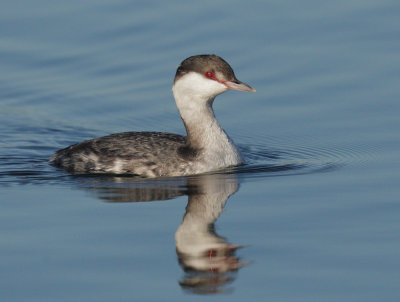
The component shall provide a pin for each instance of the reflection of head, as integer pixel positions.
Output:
(219, 260)
(205, 283)
(210, 272)
(208, 260)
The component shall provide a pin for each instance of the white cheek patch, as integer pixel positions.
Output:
(194, 83)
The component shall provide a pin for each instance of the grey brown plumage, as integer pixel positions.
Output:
(131, 151)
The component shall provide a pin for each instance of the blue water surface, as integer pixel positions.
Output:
(313, 215)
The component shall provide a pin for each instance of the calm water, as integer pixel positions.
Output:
(312, 216)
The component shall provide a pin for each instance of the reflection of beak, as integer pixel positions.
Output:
(237, 85)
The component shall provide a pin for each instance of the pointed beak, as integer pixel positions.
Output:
(237, 85)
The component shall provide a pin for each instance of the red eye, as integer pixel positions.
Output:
(210, 75)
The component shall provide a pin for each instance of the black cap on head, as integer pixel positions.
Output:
(206, 63)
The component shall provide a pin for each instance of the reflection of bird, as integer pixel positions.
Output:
(208, 260)
(132, 189)
(198, 80)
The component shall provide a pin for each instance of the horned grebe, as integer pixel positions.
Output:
(198, 80)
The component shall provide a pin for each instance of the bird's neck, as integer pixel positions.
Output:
(204, 133)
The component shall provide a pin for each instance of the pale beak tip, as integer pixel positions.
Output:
(237, 85)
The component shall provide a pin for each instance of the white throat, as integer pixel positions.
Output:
(194, 95)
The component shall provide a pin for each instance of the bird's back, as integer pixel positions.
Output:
(149, 154)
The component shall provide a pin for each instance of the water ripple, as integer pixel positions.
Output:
(275, 157)
(27, 162)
